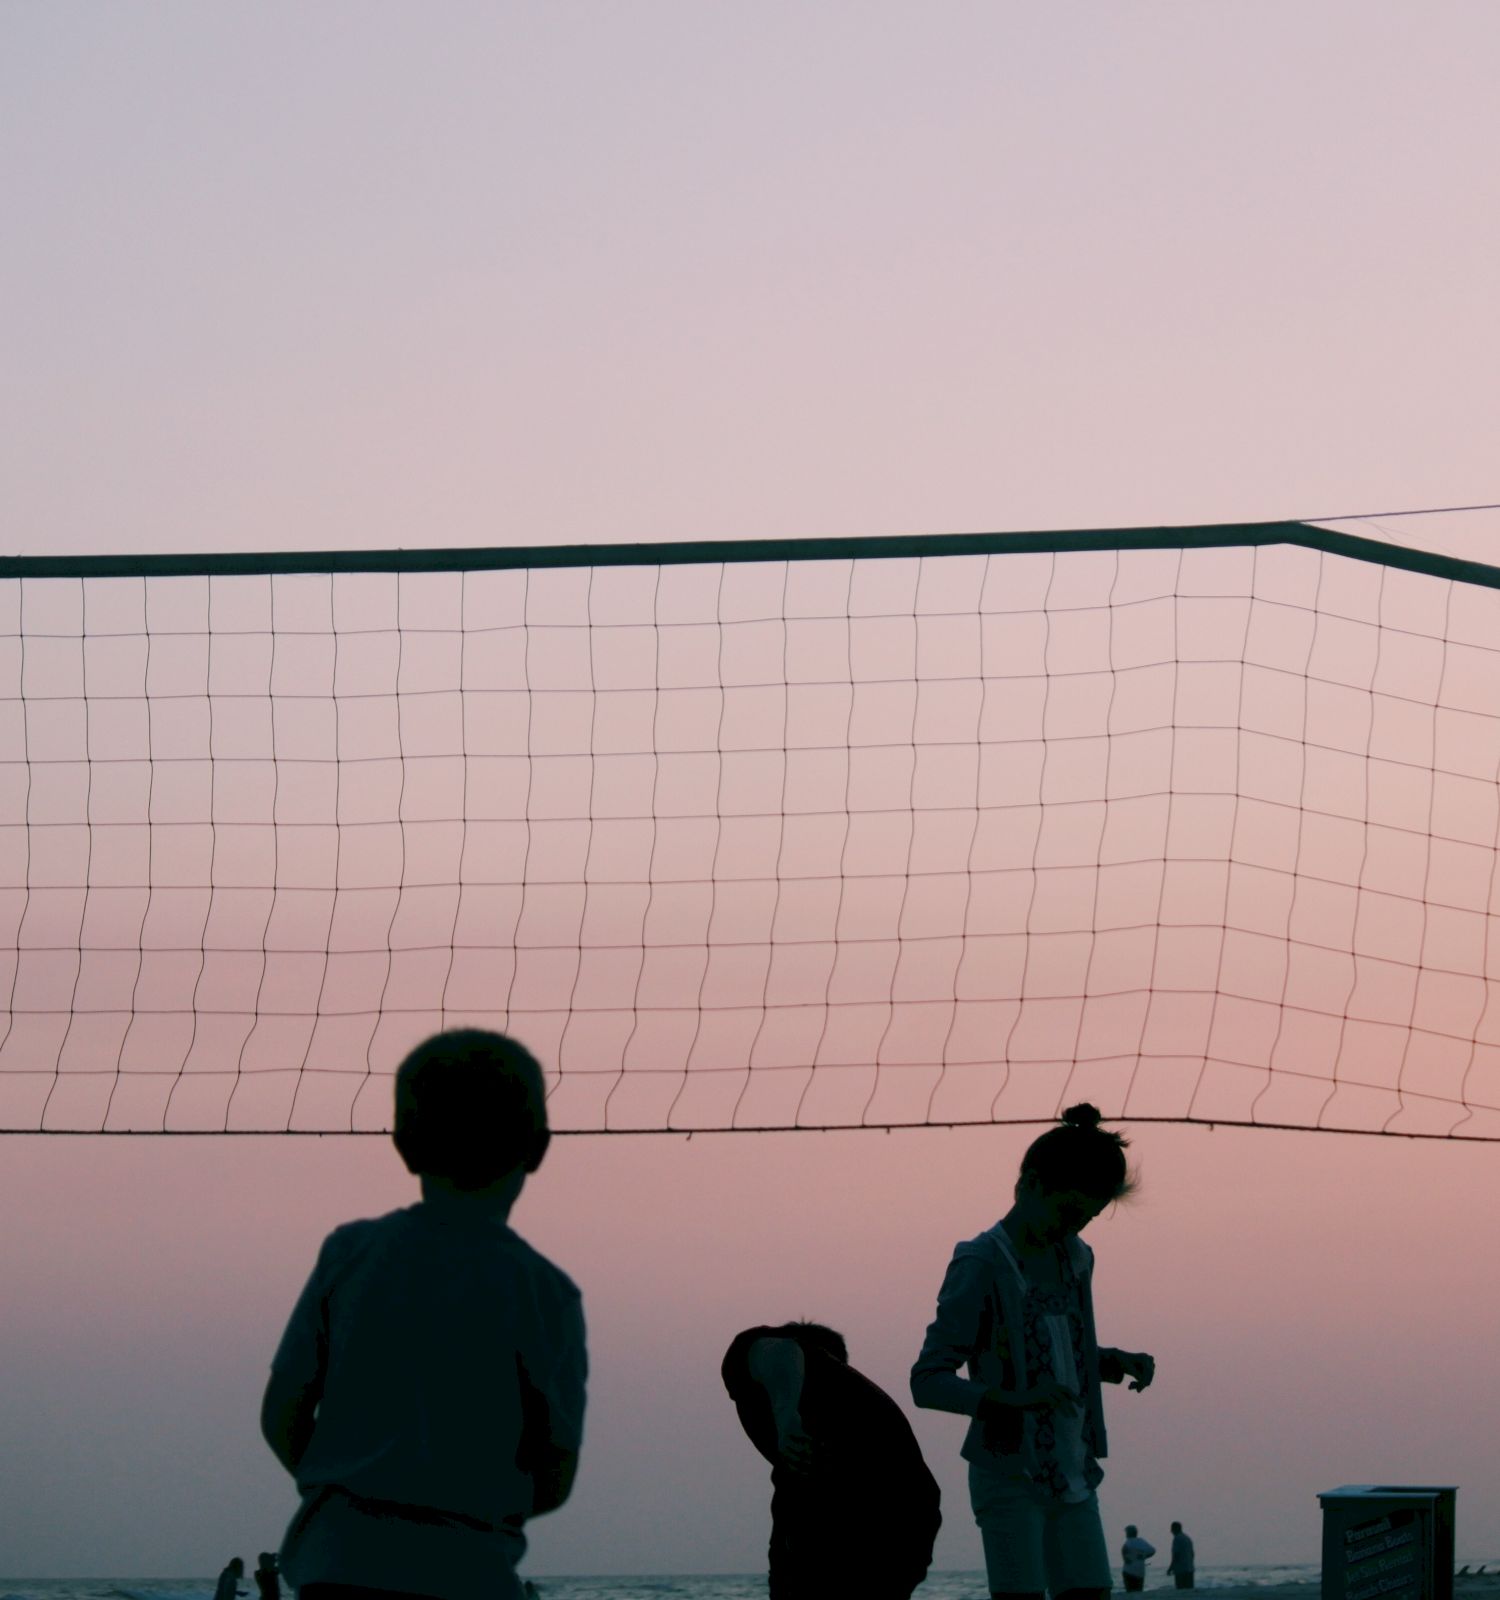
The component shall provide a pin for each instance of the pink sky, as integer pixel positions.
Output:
(526, 275)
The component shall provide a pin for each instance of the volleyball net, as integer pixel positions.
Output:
(1199, 824)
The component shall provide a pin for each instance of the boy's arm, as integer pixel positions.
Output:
(552, 1473)
(286, 1417)
(290, 1403)
(553, 1401)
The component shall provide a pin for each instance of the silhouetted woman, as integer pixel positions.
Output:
(228, 1585)
(1017, 1309)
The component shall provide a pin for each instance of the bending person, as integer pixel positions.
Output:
(1016, 1308)
(854, 1509)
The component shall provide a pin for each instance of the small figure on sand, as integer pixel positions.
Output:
(854, 1510)
(1016, 1308)
(428, 1393)
(1180, 1567)
(267, 1578)
(1134, 1554)
(227, 1587)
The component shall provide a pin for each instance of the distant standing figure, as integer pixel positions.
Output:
(1180, 1567)
(1134, 1554)
(228, 1585)
(428, 1393)
(854, 1510)
(267, 1578)
(1016, 1308)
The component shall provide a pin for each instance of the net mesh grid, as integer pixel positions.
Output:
(1204, 835)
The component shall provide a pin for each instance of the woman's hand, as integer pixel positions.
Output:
(1048, 1395)
(1139, 1367)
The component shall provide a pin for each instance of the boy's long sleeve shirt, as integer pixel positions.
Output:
(446, 1356)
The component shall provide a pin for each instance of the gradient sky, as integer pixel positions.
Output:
(362, 275)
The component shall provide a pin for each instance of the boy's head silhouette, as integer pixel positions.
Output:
(471, 1109)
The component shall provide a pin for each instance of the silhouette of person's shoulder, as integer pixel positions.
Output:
(540, 1266)
(494, 1235)
(349, 1241)
(982, 1247)
(365, 1230)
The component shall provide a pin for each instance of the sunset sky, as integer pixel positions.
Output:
(365, 276)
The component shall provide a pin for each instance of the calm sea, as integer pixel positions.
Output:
(731, 1586)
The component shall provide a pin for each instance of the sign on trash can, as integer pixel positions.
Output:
(1384, 1541)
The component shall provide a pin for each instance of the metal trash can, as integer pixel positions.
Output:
(1386, 1541)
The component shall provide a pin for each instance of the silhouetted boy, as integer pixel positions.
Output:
(854, 1510)
(428, 1393)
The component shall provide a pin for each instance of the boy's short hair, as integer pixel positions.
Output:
(471, 1107)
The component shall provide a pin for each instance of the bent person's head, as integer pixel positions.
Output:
(814, 1336)
(471, 1109)
(1130, 1530)
(1075, 1170)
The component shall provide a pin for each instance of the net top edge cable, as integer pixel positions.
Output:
(1449, 1136)
(1224, 535)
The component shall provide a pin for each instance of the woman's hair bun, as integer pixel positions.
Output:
(1083, 1115)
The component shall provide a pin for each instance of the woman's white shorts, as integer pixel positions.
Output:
(1031, 1542)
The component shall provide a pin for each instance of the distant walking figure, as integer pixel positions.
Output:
(1016, 1308)
(228, 1584)
(1180, 1567)
(1134, 1554)
(428, 1393)
(854, 1510)
(267, 1578)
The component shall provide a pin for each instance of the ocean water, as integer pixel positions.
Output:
(727, 1586)
(695, 1586)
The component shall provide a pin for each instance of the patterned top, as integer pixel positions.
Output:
(1066, 1466)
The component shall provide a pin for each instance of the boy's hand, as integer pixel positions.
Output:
(1139, 1367)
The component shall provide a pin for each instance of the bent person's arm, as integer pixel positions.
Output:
(780, 1368)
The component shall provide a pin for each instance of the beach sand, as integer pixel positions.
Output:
(1485, 1588)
